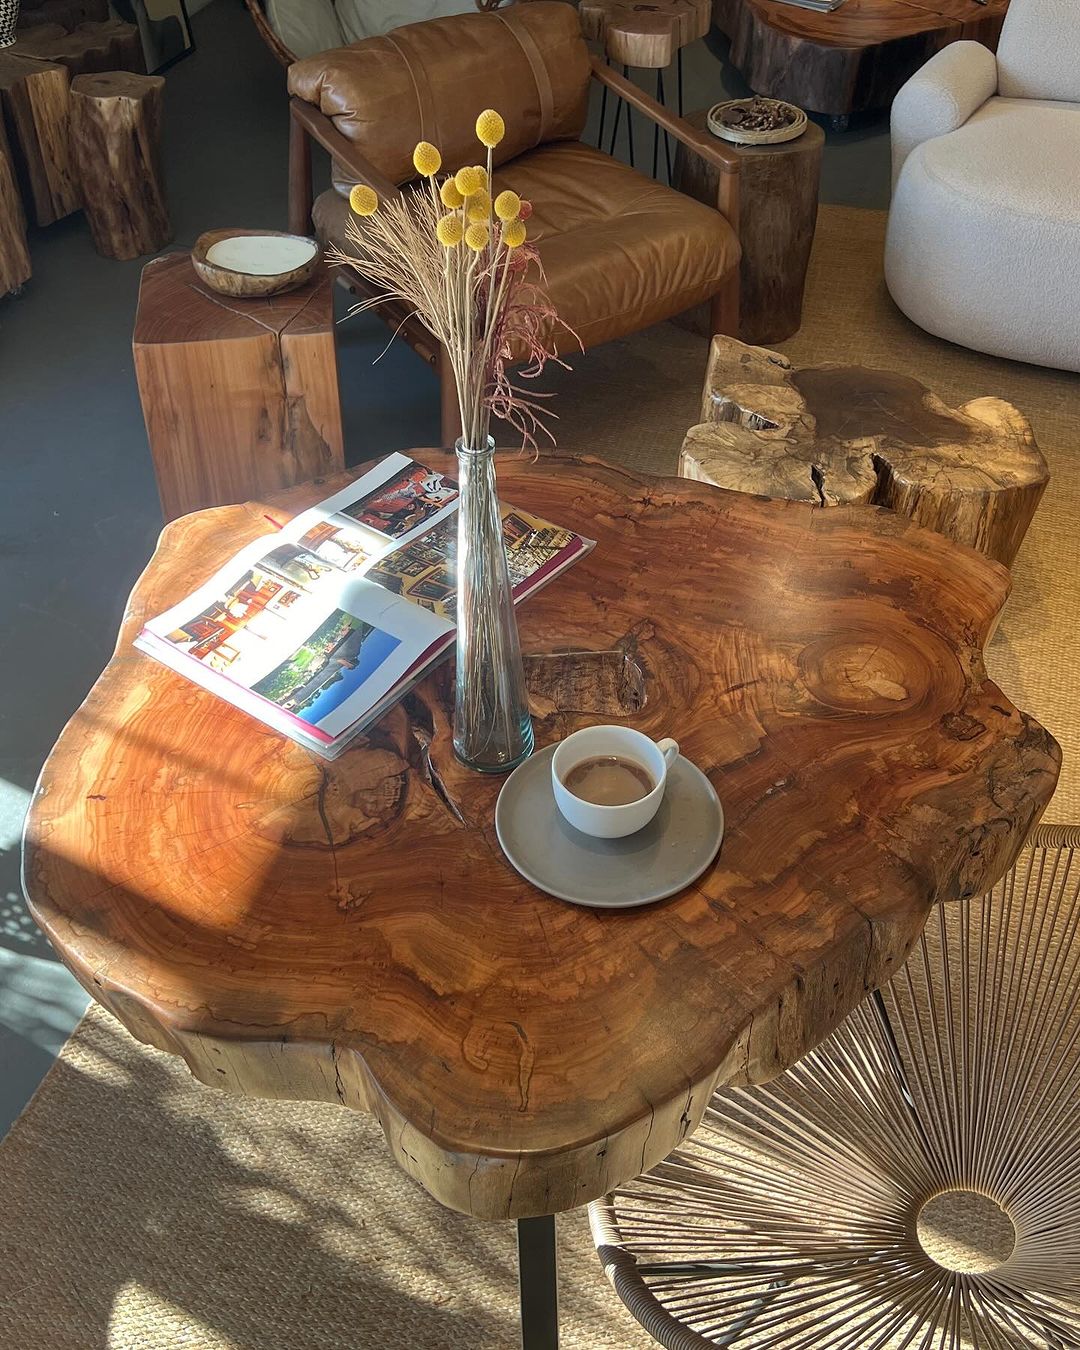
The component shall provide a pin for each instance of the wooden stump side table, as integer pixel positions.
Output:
(14, 252)
(778, 203)
(239, 396)
(349, 931)
(839, 435)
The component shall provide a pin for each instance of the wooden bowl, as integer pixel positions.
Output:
(249, 263)
(739, 136)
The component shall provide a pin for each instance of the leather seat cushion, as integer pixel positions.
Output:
(428, 81)
(619, 250)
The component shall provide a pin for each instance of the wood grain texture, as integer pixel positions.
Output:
(14, 253)
(838, 435)
(646, 36)
(87, 49)
(239, 396)
(35, 100)
(777, 216)
(116, 132)
(351, 931)
(854, 59)
(66, 14)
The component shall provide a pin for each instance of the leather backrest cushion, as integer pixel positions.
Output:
(428, 81)
(1039, 51)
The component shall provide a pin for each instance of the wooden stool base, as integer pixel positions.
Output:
(839, 435)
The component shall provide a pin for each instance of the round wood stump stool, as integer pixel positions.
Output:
(14, 253)
(913, 1181)
(778, 203)
(843, 435)
(116, 130)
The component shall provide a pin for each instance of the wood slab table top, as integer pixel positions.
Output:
(351, 932)
(853, 59)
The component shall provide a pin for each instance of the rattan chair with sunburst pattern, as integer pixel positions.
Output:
(914, 1182)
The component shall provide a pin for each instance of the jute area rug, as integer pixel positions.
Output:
(141, 1211)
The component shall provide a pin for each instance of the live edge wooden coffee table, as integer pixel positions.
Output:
(853, 60)
(351, 931)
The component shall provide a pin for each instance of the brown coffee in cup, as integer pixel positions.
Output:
(609, 780)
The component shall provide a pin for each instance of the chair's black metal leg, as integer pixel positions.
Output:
(539, 1283)
(629, 120)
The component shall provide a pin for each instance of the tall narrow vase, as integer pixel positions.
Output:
(492, 727)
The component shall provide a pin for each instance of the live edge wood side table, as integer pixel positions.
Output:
(351, 932)
(240, 397)
(778, 205)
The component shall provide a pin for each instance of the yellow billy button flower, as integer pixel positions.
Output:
(479, 207)
(507, 205)
(470, 180)
(513, 233)
(450, 231)
(477, 237)
(364, 200)
(450, 195)
(426, 159)
(490, 128)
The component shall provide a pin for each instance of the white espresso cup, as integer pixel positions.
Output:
(611, 822)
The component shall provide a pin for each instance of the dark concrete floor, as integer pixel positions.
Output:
(78, 506)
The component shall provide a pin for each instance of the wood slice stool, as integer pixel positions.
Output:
(116, 129)
(648, 37)
(778, 203)
(14, 254)
(839, 435)
(240, 397)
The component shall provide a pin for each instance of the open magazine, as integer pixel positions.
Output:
(317, 629)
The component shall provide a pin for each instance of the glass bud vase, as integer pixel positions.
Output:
(492, 727)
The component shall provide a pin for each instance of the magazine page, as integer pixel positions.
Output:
(424, 569)
(394, 502)
(319, 645)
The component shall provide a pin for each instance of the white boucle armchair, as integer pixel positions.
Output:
(983, 244)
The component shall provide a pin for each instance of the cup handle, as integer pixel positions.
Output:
(669, 749)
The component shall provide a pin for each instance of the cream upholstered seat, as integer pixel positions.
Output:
(983, 245)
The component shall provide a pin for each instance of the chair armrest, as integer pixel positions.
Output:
(722, 157)
(321, 129)
(940, 97)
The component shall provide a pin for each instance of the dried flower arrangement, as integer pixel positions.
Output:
(458, 254)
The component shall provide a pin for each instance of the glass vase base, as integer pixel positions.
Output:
(485, 762)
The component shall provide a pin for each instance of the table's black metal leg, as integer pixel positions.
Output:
(678, 58)
(629, 120)
(656, 125)
(539, 1281)
(667, 139)
(615, 125)
(603, 118)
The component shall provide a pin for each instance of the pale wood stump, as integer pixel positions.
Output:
(777, 215)
(116, 130)
(14, 253)
(840, 435)
(35, 101)
(351, 932)
(239, 396)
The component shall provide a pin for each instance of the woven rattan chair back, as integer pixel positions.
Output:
(912, 1182)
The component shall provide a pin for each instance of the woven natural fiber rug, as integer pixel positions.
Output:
(141, 1211)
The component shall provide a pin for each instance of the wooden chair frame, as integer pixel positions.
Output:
(307, 124)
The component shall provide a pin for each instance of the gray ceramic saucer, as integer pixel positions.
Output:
(668, 854)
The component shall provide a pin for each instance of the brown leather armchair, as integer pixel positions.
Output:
(620, 251)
